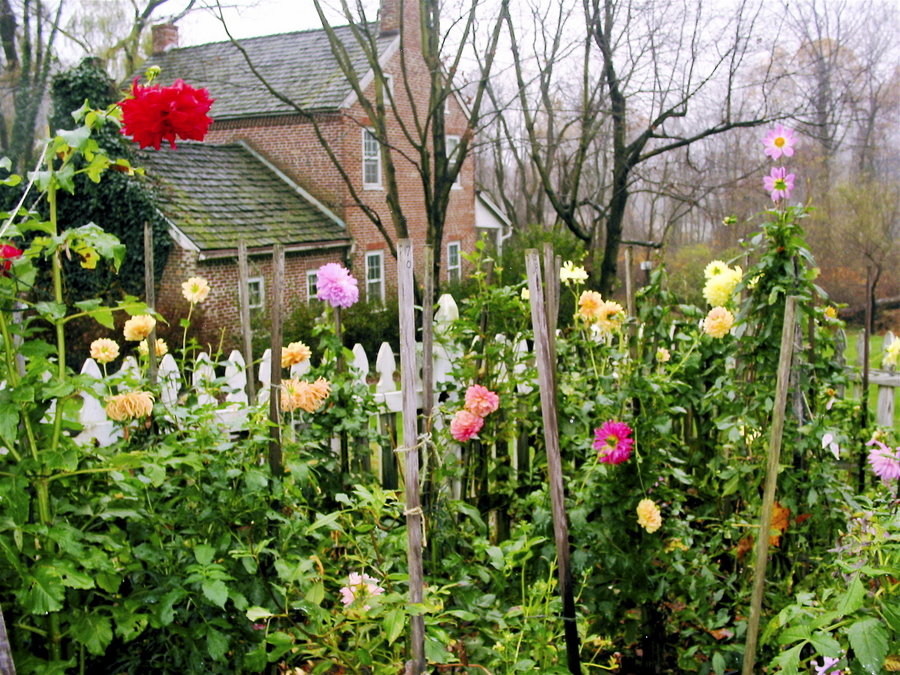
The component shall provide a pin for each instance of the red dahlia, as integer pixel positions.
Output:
(8, 253)
(156, 114)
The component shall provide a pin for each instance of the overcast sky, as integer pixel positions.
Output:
(247, 18)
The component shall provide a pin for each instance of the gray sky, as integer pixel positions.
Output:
(249, 18)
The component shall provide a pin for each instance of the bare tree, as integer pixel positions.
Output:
(644, 66)
(418, 139)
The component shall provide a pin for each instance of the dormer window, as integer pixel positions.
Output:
(371, 160)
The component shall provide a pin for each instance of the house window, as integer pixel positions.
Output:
(452, 145)
(375, 276)
(312, 288)
(453, 262)
(371, 160)
(256, 292)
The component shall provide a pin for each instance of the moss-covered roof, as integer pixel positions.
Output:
(300, 65)
(219, 194)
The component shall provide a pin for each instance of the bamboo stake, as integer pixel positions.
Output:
(150, 297)
(244, 310)
(7, 667)
(864, 394)
(414, 516)
(546, 381)
(765, 517)
(275, 362)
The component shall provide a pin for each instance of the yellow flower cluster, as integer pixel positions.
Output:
(195, 289)
(572, 274)
(649, 516)
(721, 281)
(607, 315)
(891, 354)
(161, 347)
(128, 406)
(294, 353)
(139, 327)
(718, 322)
(307, 396)
(104, 350)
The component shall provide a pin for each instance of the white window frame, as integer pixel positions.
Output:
(373, 255)
(457, 184)
(312, 279)
(369, 134)
(457, 268)
(262, 292)
(389, 85)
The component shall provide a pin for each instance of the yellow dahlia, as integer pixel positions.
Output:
(104, 350)
(128, 406)
(139, 327)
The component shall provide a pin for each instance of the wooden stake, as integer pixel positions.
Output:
(546, 380)
(150, 298)
(428, 339)
(244, 311)
(7, 667)
(629, 282)
(765, 517)
(275, 363)
(864, 394)
(414, 516)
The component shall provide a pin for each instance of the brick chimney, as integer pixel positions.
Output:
(165, 37)
(389, 17)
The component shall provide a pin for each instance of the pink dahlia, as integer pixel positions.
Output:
(885, 462)
(613, 442)
(481, 401)
(465, 425)
(779, 183)
(360, 587)
(779, 141)
(152, 115)
(336, 285)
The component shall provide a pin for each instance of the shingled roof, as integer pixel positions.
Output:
(217, 195)
(299, 64)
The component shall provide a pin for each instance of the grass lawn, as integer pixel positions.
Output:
(876, 343)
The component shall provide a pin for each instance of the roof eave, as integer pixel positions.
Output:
(222, 253)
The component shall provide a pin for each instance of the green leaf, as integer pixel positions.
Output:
(794, 633)
(45, 591)
(128, 623)
(852, 600)
(166, 611)
(496, 556)
(315, 594)
(215, 591)
(825, 644)
(9, 423)
(93, 630)
(52, 311)
(76, 138)
(257, 613)
(789, 660)
(89, 305)
(204, 553)
(394, 621)
(216, 643)
(869, 640)
(718, 663)
(282, 642)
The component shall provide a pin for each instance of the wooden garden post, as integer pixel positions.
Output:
(275, 362)
(7, 667)
(414, 515)
(244, 312)
(150, 297)
(546, 380)
(428, 339)
(765, 516)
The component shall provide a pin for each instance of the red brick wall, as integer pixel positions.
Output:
(220, 309)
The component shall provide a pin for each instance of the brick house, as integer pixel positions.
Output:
(210, 203)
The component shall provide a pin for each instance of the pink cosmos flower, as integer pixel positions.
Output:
(465, 425)
(359, 587)
(827, 663)
(336, 285)
(885, 462)
(481, 401)
(613, 442)
(779, 183)
(779, 141)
